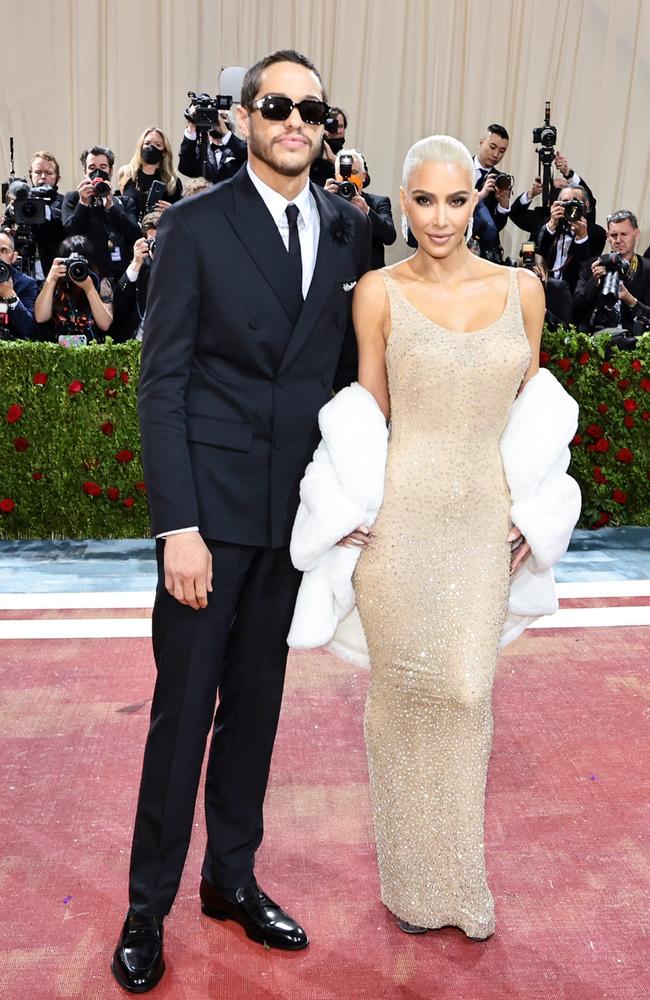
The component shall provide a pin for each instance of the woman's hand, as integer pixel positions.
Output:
(58, 270)
(162, 205)
(520, 548)
(358, 539)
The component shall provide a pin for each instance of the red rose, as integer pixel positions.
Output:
(577, 439)
(91, 489)
(591, 447)
(645, 415)
(624, 384)
(603, 408)
(619, 496)
(141, 487)
(602, 445)
(628, 421)
(21, 444)
(124, 456)
(75, 387)
(129, 502)
(598, 475)
(109, 373)
(645, 384)
(14, 413)
(37, 476)
(7, 505)
(564, 364)
(624, 455)
(111, 393)
(544, 357)
(125, 377)
(603, 519)
(107, 428)
(570, 381)
(594, 430)
(606, 368)
(112, 493)
(637, 365)
(40, 378)
(584, 358)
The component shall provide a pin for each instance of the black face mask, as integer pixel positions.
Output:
(98, 173)
(336, 145)
(151, 154)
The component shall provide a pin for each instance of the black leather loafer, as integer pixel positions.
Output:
(262, 919)
(138, 959)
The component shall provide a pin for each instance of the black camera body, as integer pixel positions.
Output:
(574, 211)
(545, 135)
(503, 182)
(346, 188)
(206, 110)
(77, 266)
(29, 208)
(528, 252)
(331, 124)
(5, 272)
(617, 267)
(151, 245)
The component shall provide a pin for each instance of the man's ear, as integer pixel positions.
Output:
(241, 116)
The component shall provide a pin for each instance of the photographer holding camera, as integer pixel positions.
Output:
(225, 151)
(494, 188)
(322, 169)
(74, 301)
(614, 289)
(350, 179)
(568, 239)
(130, 297)
(531, 218)
(17, 295)
(109, 221)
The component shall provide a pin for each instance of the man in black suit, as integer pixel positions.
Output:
(531, 218)
(17, 296)
(130, 293)
(566, 244)
(225, 151)
(44, 172)
(375, 206)
(248, 321)
(634, 291)
(492, 210)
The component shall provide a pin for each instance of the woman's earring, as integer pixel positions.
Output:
(405, 228)
(470, 229)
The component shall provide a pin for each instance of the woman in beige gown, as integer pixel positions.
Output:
(446, 341)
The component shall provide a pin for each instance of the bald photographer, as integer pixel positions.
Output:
(350, 180)
(569, 239)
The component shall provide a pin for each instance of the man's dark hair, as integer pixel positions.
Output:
(623, 215)
(577, 187)
(251, 82)
(498, 130)
(339, 111)
(77, 244)
(98, 151)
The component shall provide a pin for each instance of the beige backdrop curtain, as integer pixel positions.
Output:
(85, 71)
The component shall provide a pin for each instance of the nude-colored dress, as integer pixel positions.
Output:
(432, 594)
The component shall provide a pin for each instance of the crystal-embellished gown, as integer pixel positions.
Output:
(432, 594)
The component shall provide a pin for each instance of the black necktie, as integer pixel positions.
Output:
(294, 243)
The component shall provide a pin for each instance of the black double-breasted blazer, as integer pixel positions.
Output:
(231, 382)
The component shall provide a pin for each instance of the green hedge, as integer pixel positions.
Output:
(70, 452)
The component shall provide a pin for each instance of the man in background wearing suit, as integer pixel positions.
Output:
(247, 332)
(375, 206)
(492, 210)
(225, 152)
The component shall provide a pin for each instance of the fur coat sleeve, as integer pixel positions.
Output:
(343, 488)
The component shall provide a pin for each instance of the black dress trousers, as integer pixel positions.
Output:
(235, 648)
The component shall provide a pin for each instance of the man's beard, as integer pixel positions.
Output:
(268, 155)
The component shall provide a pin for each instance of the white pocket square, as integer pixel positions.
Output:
(348, 286)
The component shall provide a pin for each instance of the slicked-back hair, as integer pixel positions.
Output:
(498, 130)
(623, 215)
(253, 78)
(438, 149)
(576, 187)
(98, 151)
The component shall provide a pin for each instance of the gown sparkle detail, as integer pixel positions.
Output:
(432, 594)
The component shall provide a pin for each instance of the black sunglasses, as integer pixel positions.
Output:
(277, 108)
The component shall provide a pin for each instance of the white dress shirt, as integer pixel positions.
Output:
(308, 234)
(218, 150)
(480, 171)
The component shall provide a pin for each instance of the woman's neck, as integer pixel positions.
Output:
(443, 270)
(148, 168)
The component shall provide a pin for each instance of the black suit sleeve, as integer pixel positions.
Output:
(348, 365)
(525, 217)
(75, 215)
(170, 332)
(381, 220)
(123, 216)
(545, 242)
(585, 295)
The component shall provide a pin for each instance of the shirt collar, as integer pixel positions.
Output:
(277, 203)
(478, 165)
(223, 141)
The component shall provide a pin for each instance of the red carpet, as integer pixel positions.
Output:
(566, 834)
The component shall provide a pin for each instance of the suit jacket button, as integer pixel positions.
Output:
(254, 323)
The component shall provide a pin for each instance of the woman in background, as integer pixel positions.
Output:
(152, 161)
(68, 306)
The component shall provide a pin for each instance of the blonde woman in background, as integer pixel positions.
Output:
(151, 161)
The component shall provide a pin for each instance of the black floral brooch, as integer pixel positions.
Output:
(341, 230)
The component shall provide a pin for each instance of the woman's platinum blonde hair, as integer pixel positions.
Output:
(439, 149)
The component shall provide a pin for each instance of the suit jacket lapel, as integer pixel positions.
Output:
(325, 273)
(254, 226)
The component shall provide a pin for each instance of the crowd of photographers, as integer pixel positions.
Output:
(75, 267)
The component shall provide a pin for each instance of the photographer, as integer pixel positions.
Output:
(633, 285)
(530, 218)
(73, 300)
(494, 188)
(322, 169)
(17, 295)
(109, 221)
(225, 151)
(567, 240)
(130, 297)
(376, 207)
(151, 161)
(559, 302)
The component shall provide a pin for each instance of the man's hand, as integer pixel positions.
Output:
(358, 539)
(86, 191)
(520, 549)
(188, 569)
(536, 188)
(140, 253)
(327, 153)
(108, 201)
(190, 126)
(562, 163)
(557, 213)
(626, 297)
(580, 230)
(488, 188)
(361, 203)
(7, 289)
(503, 197)
(598, 271)
(331, 185)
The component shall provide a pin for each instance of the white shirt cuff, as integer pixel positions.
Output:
(549, 230)
(178, 531)
(131, 273)
(524, 199)
(582, 240)
(188, 135)
(503, 210)
(576, 179)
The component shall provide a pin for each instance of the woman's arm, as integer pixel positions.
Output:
(533, 309)
(371, 318)
(101, 303)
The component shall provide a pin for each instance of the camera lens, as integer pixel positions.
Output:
(5, 272)
(347, 190)
(78, 270)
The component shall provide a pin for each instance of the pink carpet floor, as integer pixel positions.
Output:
(566, 834)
